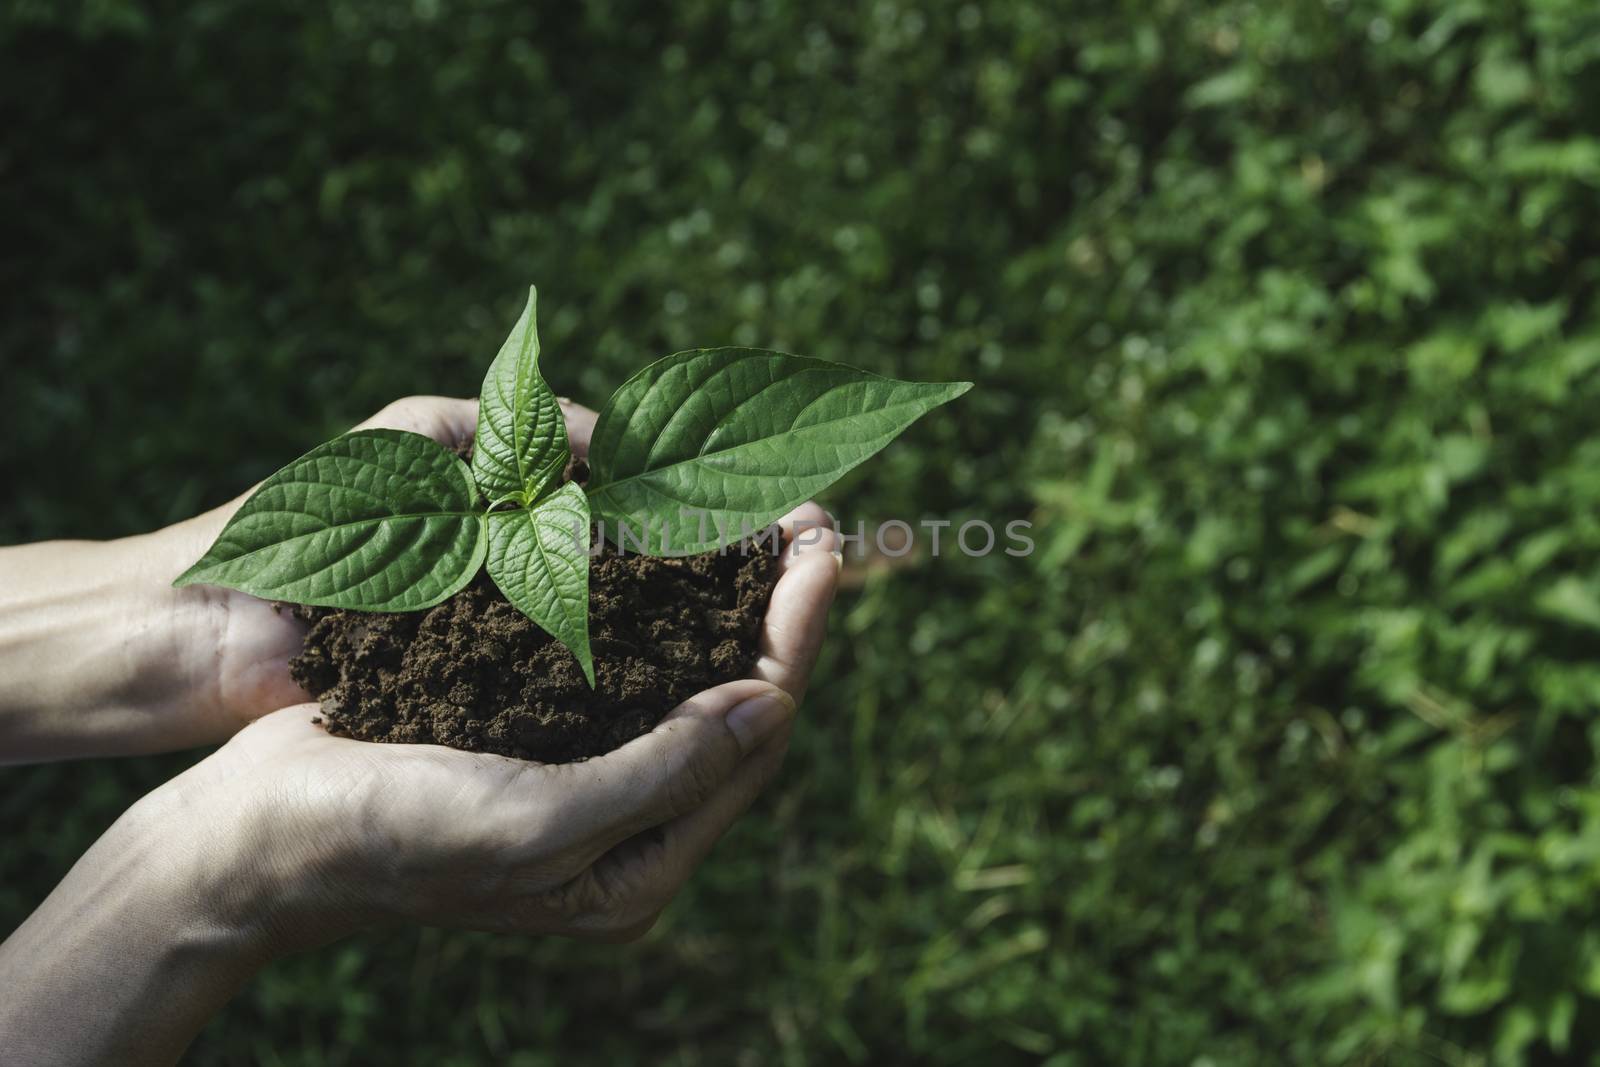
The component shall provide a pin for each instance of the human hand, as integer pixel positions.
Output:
(241, 645)
(287, 837)
(331, 833)
(100, 655)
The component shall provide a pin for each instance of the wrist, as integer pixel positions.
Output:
(88, 653)
(261, 878)
(100, 655)
(231, 650)
(219, 903)
(142, 933)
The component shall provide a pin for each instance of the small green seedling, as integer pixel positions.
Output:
(695, 448)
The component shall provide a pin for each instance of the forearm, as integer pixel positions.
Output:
(99, 655)
(137, 947)
(95, 648)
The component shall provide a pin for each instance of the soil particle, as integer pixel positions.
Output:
(475, 673)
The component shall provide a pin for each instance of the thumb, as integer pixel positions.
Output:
(445, 419)
(677, 766)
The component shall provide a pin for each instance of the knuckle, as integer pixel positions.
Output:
(395, 408)
(614, 901)
(582, 899)
(690, 781)
(656, 877)
(408, 413)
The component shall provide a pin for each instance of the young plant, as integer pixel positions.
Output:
(695, 449)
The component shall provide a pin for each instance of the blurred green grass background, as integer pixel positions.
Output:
(1281, 746)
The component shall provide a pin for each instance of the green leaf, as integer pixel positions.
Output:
(732, 438)
(1571, 599)
(521, 445)
(539, 557)
(376, 520)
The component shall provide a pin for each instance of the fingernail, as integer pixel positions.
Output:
(838, 556)
(758, 718)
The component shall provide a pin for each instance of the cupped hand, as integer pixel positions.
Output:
(287, 837)
(235, 647)
(327, 834)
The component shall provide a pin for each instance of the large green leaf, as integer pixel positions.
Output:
(722, 439)
(539, 557)
(376, 520)
(521, 445)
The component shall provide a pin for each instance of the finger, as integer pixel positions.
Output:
(655, 865)
(671, 770)
(452, 421)
(797, 615)
(580, 426)
(620, 894)
(448, 420)
(690, 837)
(809, 528)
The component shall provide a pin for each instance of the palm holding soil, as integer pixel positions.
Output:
(498, 843)
(287, 837)
(254, 641)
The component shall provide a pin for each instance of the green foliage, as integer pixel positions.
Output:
(702, 448)
(521, 444)
(381, 520)
(378, 520)
(719, 441)
(539, 557)
(1280, 749)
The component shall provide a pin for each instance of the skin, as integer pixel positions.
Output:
(286, 838)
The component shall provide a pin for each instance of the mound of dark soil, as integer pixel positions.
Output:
(475, 673)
